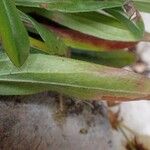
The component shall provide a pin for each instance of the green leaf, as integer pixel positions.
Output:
(71, 77)
(53, 42)
(135, 25)
(109, 58)
(96, 24)
(142, 5)
(114, 59)
(78, 40)
(39, 45)
(13, 34)
(70, 5)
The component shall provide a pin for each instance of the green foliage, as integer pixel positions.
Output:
(52, 41)
(99, 25)
(75, 78)
(14, 36)
(115, 59)
(70, 5)
(92, 28)
(143, 5)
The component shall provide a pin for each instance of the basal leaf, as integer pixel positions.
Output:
(78, 40)
(96, 24)
(71, 77)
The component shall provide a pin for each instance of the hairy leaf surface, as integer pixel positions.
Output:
(71, 77)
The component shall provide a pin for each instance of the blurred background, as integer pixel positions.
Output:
(133, 132)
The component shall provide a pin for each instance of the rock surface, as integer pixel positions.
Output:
(36, 123)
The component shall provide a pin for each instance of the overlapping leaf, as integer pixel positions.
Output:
(54, 44)
(78, 40)
(96, 24)
(13, 34)
(75, 78)
(131, 19)
(71, 77)
(83, 41)
(114, 59)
